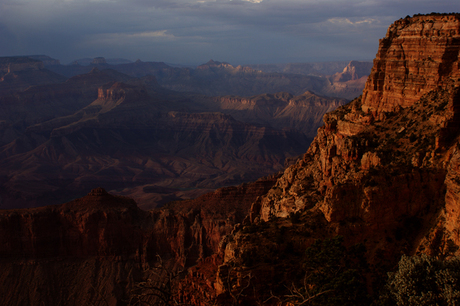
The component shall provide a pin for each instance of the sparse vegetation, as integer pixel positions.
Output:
(159, 287)
(423, 280)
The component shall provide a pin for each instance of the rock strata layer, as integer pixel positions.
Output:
(417, 55)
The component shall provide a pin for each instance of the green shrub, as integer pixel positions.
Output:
(423, 280)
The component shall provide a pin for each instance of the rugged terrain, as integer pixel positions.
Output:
(281, 110)
(94, 249)
(219, 78)
(128, 140)
(136, 138)
(383, 171)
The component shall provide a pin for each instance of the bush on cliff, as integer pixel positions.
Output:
(423, 280)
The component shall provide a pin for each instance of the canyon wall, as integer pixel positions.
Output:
(391, 154)
(281, 110)
(417, 55)
(382, 171)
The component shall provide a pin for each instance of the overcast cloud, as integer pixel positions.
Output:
(192, 32)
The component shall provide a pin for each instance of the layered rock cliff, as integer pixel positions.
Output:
(382, 171)
(281, 110)
(417, 55)
(371, 135)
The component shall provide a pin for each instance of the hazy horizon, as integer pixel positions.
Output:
(191, 32)
(86, 61)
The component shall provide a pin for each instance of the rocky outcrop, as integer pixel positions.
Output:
(355, 70)
(346, 171)
(382, 171)
(350, 82)
(417, 55)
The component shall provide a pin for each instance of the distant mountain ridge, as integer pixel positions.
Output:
(18, 73)
(220, 78)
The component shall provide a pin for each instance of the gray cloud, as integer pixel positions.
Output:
(192, 31)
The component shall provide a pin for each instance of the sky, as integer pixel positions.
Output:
(191, 32)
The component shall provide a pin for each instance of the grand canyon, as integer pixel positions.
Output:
(146, 184)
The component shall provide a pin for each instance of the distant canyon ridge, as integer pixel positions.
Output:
(334, 79)
(155, 132)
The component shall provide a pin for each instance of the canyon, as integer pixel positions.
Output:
(382, 171)
(138, 139)
(128, 142)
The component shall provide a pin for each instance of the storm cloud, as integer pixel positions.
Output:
(192, 32)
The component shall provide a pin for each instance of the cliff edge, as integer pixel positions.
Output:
(381, 172)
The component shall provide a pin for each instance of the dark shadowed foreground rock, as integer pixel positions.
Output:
(92, 250)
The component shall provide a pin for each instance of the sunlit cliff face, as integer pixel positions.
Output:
(414, 57)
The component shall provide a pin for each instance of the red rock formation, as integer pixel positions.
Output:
(417, 55)
(353, 71)
(383, 170)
